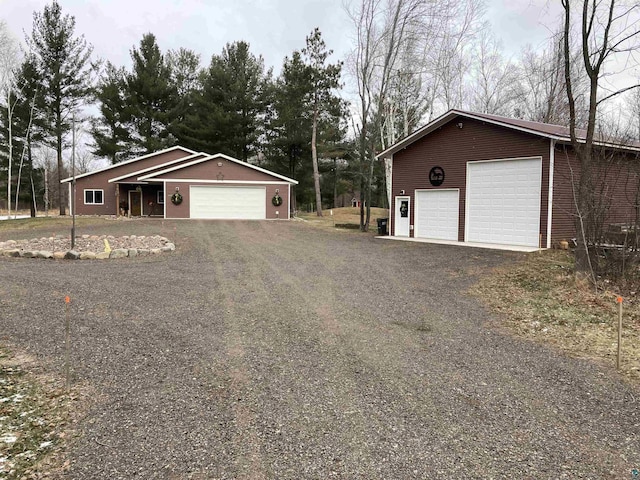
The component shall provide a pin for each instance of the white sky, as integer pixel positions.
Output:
(274, 28)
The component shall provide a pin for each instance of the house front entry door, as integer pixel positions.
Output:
(401, 217)
(135, 203)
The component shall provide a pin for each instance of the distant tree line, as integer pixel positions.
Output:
(411, 61)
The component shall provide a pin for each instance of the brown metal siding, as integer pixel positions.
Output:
(100, 180)
(451, 147)
(210, 170)
(621, 188)
(182, 210)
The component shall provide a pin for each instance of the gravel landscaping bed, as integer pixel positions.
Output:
(87, 247)
(275, 350)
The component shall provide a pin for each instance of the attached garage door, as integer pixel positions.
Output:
(238, 203)
(503, 201)
(437, 214)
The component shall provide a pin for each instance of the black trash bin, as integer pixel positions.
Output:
(382, 226)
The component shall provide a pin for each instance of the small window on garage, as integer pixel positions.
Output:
(160, 199)
(94, 197)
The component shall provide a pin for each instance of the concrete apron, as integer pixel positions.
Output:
(491, 246)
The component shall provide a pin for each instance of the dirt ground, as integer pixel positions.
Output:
(275, 350)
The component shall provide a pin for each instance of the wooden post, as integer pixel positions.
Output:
(67, 342)
(619, 333)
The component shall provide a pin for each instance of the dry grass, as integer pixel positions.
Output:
(35, 415)
(540, 299)
(345, 218)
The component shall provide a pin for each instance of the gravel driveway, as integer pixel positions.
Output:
(275, 350)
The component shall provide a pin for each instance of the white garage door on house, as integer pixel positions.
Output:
(437, 213)
(503, 201)
(233, 203)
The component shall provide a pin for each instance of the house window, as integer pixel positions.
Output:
(160, 197)
(94, 197)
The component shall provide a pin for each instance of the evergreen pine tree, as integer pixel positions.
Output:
(64, 73)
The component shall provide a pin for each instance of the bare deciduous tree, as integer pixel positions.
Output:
(9, 64)
(608, 33)
(494, 79)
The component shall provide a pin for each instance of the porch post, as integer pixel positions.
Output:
(117, 200)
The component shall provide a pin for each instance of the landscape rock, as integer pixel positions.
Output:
(119, 253)
(87, 247)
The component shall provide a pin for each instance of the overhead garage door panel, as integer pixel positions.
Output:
(437, 213)
(503, 201)
(233, 203)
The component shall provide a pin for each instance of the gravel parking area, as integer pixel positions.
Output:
(274, 350)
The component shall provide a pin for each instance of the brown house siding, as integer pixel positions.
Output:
(621, 180)
(451, 147)
(100, 180)
(219, 169)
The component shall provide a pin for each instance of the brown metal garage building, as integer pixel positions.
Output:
(487, 179)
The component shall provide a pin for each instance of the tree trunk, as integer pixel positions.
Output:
(335, 183)
(314, 158)
(10, 121)
(59, 161)
(30, 166)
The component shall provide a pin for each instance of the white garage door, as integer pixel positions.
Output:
(238, 203)
(503, 201)
(437, 214)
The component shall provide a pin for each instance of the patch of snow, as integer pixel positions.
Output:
(8, 438)
(45, 444)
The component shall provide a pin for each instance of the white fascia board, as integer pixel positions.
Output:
(148, 169)
(220, 182)
(126, 162)
(552, 160)
(215, 157)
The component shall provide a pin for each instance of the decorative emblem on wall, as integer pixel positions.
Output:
(436, 176)
(176, 198)
(404, 208)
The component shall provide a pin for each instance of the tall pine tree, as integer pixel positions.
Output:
(151, 97)
(111, 130)
(64, 71)
(323, 104)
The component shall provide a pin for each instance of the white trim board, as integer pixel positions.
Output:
(552, 159)
(220, 182)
